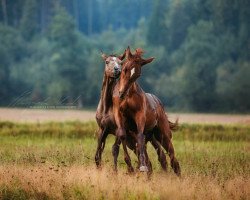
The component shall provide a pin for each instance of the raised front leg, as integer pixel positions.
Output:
(121, 135)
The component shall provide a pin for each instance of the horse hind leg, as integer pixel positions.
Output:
(161, 155)
(168, 146)
(174, 162)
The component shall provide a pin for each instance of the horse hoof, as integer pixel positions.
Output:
(143, 169)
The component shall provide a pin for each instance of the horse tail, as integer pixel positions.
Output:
(174, 126)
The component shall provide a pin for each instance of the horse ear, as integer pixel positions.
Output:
(128, 53)
(104, 56)
(139, 51)
(122, 56)
(146, 61)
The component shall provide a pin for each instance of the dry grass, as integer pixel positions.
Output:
(78, 182)
(45, 115)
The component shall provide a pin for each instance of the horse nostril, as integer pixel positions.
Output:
(121, 95)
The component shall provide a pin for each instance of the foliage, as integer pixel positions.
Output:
(67, 58)
(50, 51)
(28, 23)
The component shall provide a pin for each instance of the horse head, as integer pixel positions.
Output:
(131, 69)
(113, 65)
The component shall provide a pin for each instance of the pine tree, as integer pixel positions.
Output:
(68, 57)
(157, 28)
(29, 20)
(11, 49)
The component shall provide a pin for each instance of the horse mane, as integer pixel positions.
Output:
(106, 96)
(107, 86)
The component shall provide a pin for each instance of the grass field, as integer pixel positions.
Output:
(56, 161)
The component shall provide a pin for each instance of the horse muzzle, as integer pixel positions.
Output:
(121, 95)
(117, 74)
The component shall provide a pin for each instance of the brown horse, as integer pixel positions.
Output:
(146, 110)
(105, 118)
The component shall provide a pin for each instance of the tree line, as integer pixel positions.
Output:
(50, 51)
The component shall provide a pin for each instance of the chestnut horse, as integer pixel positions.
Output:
(146, 110)
(105, 118)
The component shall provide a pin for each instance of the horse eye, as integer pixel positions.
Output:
(107, 62)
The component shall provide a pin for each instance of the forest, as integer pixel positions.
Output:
(50, 51)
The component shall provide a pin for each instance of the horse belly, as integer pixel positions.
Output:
(151, 120)
(151, 112)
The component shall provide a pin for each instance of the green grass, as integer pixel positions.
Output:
(88, 129)
(214, 150)
(218, 153)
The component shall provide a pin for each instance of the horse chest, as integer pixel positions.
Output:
(107, 120)
(128, 107)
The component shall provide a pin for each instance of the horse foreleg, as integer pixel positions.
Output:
(141, 150)
(102, 135)
(121, 134)
(149, 164)
(127, 157)
(140, 123)
(115, 152)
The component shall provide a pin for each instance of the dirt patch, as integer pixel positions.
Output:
(36, 115)
(193, 118)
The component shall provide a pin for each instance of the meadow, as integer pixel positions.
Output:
(55, 160)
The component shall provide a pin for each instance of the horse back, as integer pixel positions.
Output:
(158, 108)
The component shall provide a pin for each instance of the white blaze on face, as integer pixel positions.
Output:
(132, 71)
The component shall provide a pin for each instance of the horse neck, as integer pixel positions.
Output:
(106, 94)
(134, 88)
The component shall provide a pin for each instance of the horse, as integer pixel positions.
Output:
(106, 122)
(146, 110)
